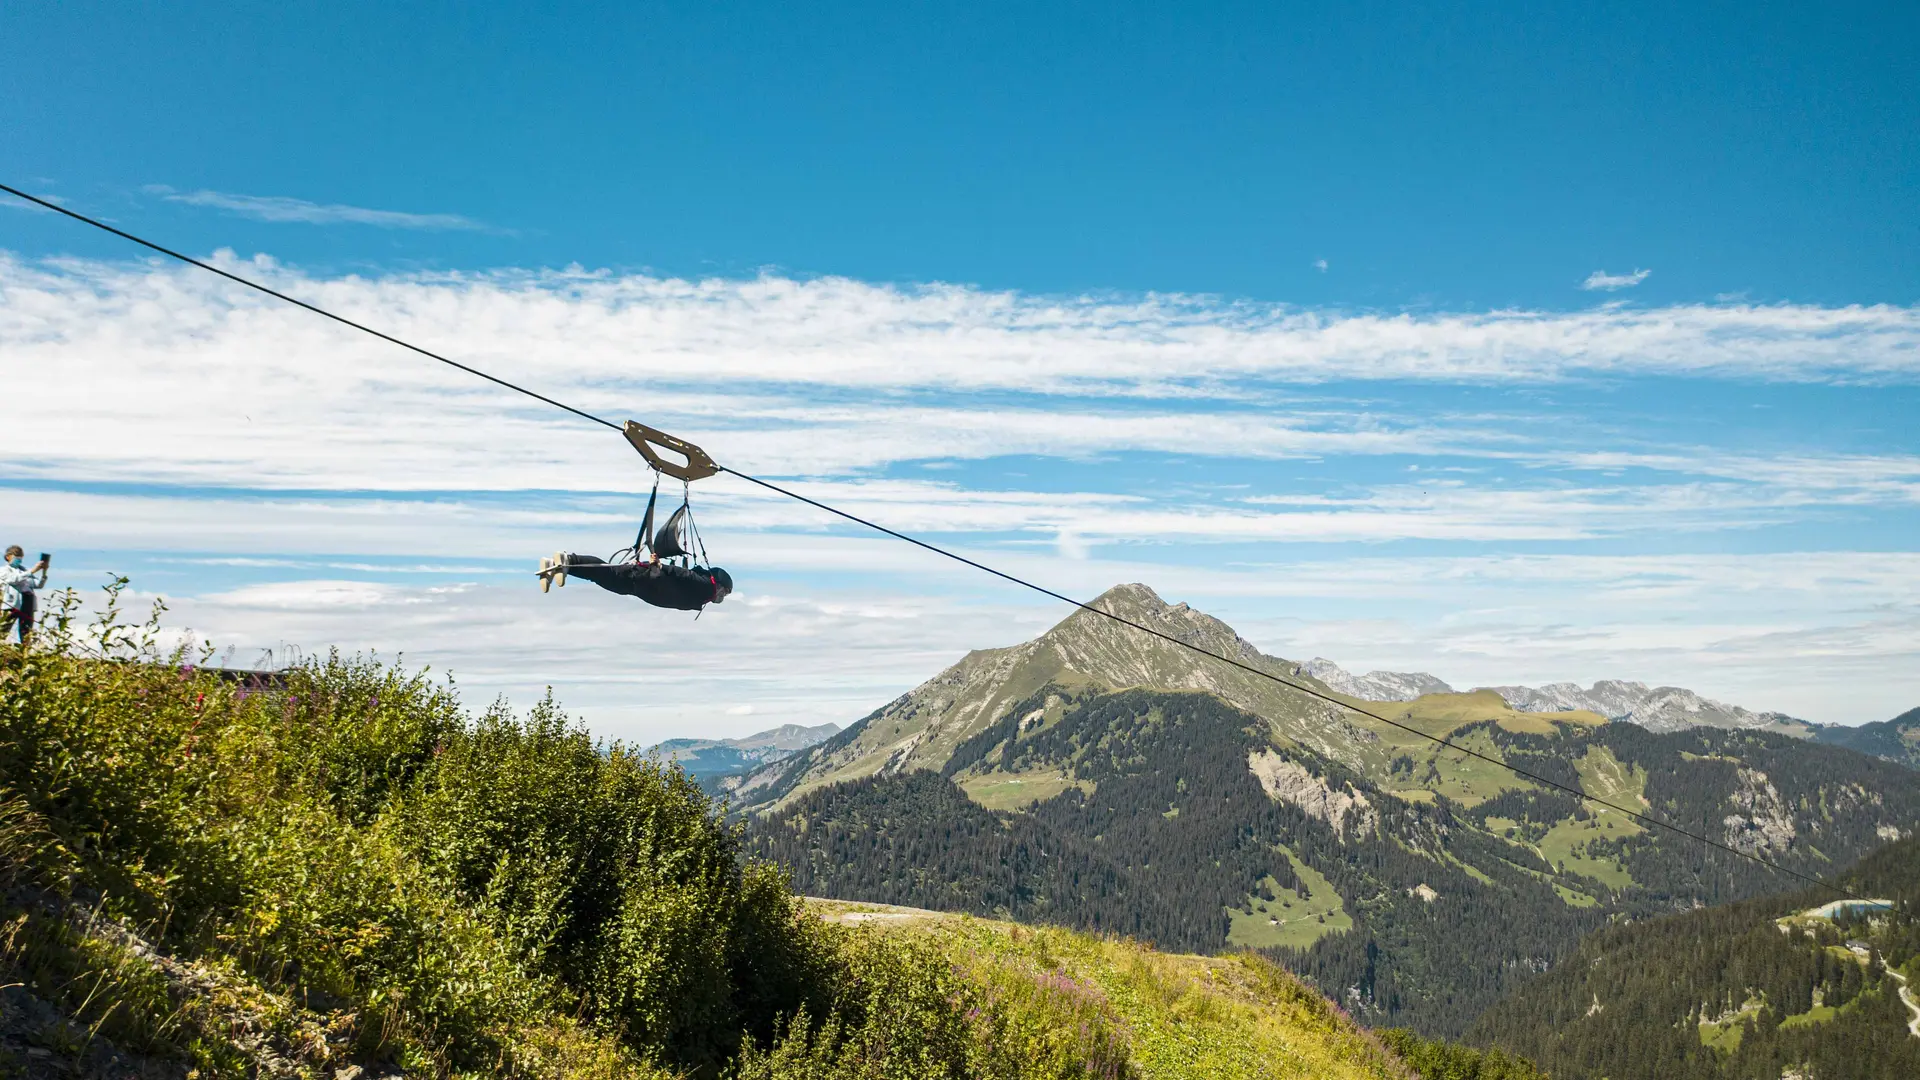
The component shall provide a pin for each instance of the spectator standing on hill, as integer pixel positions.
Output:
(19, 593)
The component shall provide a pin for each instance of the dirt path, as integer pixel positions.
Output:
(1906, 998)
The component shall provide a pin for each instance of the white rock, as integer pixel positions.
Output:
(1290, 782)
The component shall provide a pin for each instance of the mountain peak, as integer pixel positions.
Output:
(1116, 655)
(1087, 650)
(1130, 594)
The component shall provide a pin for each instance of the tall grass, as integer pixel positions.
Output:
(453, 894)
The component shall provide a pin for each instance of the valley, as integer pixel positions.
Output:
(1738, 990)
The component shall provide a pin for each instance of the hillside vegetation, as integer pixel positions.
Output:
(1896, 740)
(1792, 984)
(1229, 1016)
(345, 870)
(1099, 778)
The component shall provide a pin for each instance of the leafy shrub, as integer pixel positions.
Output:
(611, 872)
(1437, 1060)
(490, 893)
(342, 852)
(904, 1011)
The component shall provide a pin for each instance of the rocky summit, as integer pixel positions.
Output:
(921, 728)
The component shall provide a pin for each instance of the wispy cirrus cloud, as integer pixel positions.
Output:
(614, 334)
(1606, 282)
(284, 209)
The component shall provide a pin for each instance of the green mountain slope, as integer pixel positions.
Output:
(1171, 1015)
(1761, 988)
(1411, 882)
(1895, 740)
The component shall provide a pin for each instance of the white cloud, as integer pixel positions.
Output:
(826, 377)
(280, 208)
(307, 595)
(30, 207)
(1320, 265)
(632, 671)
(441, 534)
(1829, 636)
(1602, 280)
(610, 338)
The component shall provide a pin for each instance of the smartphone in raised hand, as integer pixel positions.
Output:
(45, 559)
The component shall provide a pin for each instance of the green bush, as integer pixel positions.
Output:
(903, 1011)
(348, 866)
(1437, 1060)
(491, 894)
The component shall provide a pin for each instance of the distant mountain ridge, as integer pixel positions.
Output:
(1375, 685)
(1896, 740)
(1656, 708)
(704, 759)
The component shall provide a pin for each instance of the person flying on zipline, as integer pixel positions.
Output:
(685, 586)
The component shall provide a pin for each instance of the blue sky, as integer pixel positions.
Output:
(1507, 344)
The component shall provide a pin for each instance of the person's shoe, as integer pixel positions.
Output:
(560, 568)
(546, 573)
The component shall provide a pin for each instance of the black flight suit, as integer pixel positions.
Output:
(660, 584)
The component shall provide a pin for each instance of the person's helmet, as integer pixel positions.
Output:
(722, 584)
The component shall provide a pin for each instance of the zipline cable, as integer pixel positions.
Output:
(1443, 743)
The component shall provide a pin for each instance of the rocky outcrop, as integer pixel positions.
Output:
(1292, 783)
(1761, 821)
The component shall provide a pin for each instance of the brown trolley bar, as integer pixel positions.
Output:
(650, 441)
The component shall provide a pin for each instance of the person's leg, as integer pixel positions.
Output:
(622, 578)
(554, 571)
